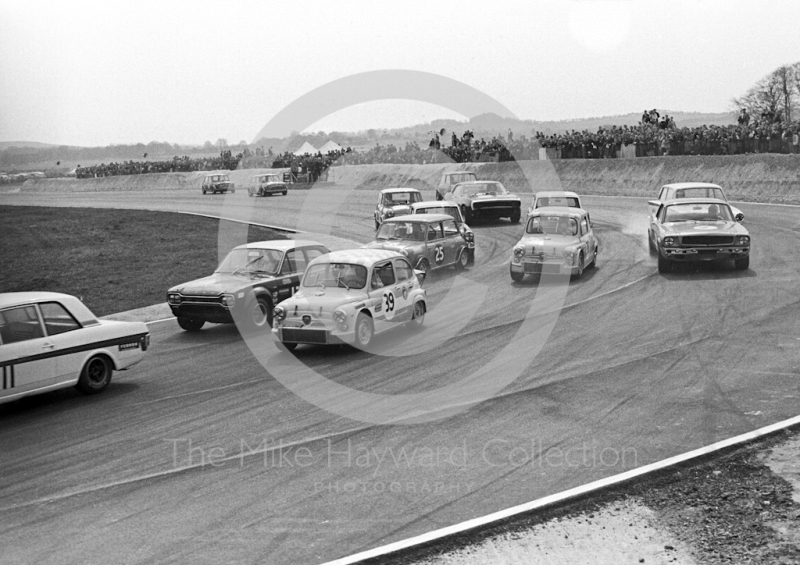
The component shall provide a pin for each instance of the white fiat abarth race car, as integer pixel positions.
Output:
(50, 340)
(349, 296)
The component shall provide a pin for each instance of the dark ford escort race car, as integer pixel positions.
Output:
(485, 199)
(246, 286)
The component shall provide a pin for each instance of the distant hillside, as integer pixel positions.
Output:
(36, 144)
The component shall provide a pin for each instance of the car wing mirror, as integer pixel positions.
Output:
(420, 276)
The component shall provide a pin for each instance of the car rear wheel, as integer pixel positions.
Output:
(515, 216)
(418, 316)
(664, 265)
(424, 266)
(742, 264)
(364, 330)
(189, 324)
(96, 375)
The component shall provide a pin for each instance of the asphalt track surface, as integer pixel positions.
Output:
(199, 454)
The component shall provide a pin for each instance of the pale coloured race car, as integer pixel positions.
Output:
(246, 286)
(395, 202)
(562, 199)
(692, 230)
(429, 241)
(449, 179)
(347, 297)
(485, 199)
(451, 209)
(50, 340)
(266, 184)
(556, 241)
(678, 190)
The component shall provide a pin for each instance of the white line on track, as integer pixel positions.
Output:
(161, 320)
(560, 497)
(204, 391)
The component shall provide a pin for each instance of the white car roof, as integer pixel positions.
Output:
(364, 257)
(558, 211)
(680, 185)
(556, 193)
(393, 190)
(433, 204)
(72, 303)
(419, 218)
(280, 244)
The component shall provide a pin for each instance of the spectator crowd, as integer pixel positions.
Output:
(654, 135)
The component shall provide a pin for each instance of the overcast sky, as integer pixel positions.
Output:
(98, 73)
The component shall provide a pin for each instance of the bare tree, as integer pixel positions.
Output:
(774, 96)
(784, 78)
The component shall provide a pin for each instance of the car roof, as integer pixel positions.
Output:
(551, 193)
(280, 244)
(358, 256)
(458, 172)
(17, 298)
(393, 190)
(559, 211)
(433, 204)
(680, 185)
(480, 182)
(420, 218)
(694, 201)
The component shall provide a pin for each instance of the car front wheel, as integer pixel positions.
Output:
(664, 265)
(418, 316)
(467, 213)
(742, 264)
(364, 331)
(463, 260)
(189, 324)
(259, 314)
(515, 216)
(517, 277)
(96, 375)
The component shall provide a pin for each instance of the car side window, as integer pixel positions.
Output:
(434, 231)
(662, 194)
(385, 273)
(57, 319)
(293, 262)
(661, 213)
(20, 324)
(450, 228)
(584, 226)
(403, 270)
(312, 253)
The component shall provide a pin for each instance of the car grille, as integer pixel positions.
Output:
(297, 335)
(495, 205)
(707, 240)
(201, 300)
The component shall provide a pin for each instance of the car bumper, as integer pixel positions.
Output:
(694, 254)
(543, 267)
(315, 335)
(214, 313)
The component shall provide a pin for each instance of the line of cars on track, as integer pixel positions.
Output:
(306, 294)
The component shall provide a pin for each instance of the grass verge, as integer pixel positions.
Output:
(115, 260)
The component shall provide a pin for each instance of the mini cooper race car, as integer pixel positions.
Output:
(451, 209)
(449, 180)
(50, 340)
(246, 286)
(556, 241)
(429, 241)
(266, 184)
(395, 202)
(692, 190)
(485, 199)
(562, 199)
(217, 182)
(349, 296)
(696, 230)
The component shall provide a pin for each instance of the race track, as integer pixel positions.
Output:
(200, 455)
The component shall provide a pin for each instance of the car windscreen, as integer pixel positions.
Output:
(409, 231)
(488, 188)
(552, 225)
(700, 192)
(462, 177)
(394, 198)
(251, 260)
(343, 275)
(219, 178)
(272, 178)
(698, 212)
(567, 201)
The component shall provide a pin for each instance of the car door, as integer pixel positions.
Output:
(404, 284)
(587, 239)
(453, 241)
(292, 268)
(383, 295)
(27, 359)
(435, 248)
(67, 336)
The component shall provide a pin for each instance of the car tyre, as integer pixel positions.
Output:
(651, 245)
(463, 260)
(515, 216)
(425, 267)
(377, 225)
(204, 190)
(439, 196)
(516, 277)
(467, 213)
(593, 264)
(259, 315)
(189, 324)
(581, 266)
(96, 375)
(284, 346)
(664, 264)
(364, 331)
(742, 264)
(418, 315)
(249, 193)
(284, 192)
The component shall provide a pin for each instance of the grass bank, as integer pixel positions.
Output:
(115, 260)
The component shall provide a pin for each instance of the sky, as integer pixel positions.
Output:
(89, 73)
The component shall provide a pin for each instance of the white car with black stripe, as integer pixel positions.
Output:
(347, 297)
(50, 340)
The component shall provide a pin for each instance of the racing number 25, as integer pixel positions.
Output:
(439, 254)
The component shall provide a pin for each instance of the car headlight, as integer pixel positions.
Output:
(389, 213)
(228, 300)
(519, 252)
(669, 242)
(341, 318)
(173, 298)
(469, 236)
(569, 255)
(743, 240)
(279, 313)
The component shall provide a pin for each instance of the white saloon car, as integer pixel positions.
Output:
(349, 296)
(50, 340)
